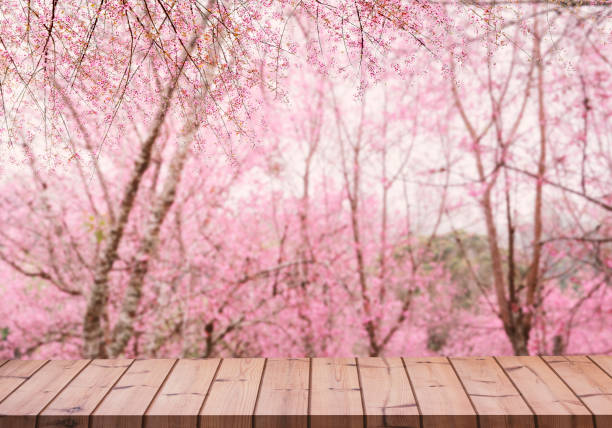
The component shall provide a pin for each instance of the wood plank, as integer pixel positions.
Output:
(459, 392)
(238, 378)
(127, 401)
(179, 401)
(72, 407)
(15, 372)
(604, 362)
(335, 394)
(19, 410)
(496, 400)
(387, 396)
(589, 383)
(442, 400)
(552, 401)
(283, 396)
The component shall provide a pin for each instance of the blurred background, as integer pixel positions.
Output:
(286, 178)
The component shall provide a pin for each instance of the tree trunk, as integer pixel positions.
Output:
(124, 328)
(94, 345)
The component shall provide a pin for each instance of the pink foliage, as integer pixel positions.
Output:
(364, 177)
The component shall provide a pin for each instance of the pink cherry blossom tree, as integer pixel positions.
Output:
(380, 177)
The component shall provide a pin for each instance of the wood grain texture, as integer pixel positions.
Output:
(283, 396)
(433, 392)
(442, 400)
(604, 362)
(387, 396)
(14, 373)
(552, 401)
(496, 400)
(127, 401)
(178, 403)
(20, 409)
(589, 383)
(233, 394)
(335, 395)
(72, 407)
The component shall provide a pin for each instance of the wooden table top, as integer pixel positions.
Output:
(431, 392)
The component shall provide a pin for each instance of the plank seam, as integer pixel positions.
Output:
(37, 421)
(212, 382)
(416, 400)
(89, 417)
(4, 362)
(308, 421)
(570, 389)
(161, 385)
(25, 380)
(363, 407)
(600, 367)
(465, 390)
(535, 416)
(263, 372)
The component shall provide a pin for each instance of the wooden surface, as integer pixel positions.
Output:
(233, 395)
(26, 402)
(180, 399)
(590, 384)
(335, 401)
(495, 399)
(128, 400)
(79, 399)
(603, 361)
(432, 392)
(442, 399)
(554, 403)
(283, 396)
(14, 373)
(387, 396)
